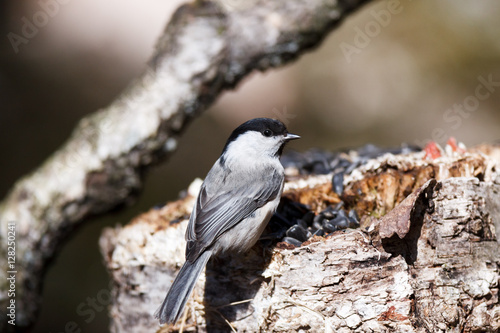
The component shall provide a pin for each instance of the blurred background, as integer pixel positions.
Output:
(399, 71)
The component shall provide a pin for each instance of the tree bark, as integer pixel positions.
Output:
(205, 49)
(429, 263)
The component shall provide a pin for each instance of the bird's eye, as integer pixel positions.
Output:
(268, 132)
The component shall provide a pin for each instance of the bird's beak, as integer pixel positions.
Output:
(290, 136)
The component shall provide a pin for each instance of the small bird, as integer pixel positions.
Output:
(238, 197)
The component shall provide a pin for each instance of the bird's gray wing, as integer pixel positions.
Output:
(217, 211)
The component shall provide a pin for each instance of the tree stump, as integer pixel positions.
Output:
(425, 259)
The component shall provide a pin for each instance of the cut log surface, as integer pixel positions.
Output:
(426, 258)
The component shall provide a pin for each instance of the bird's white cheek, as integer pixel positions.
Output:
(252, 146)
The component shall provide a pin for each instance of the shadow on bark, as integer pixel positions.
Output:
(404, 238)
(240, 280)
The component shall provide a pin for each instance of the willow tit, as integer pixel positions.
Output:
(238, 197)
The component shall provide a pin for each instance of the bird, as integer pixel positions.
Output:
(236, 201)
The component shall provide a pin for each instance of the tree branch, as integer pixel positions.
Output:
(205, 49)
(429, 264)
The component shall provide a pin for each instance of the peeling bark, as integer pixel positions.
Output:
(455, 278)
(429, 265)
(205, 49)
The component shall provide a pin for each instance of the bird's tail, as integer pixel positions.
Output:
(175, 301)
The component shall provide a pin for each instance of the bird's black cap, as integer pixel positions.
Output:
(259, 125)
